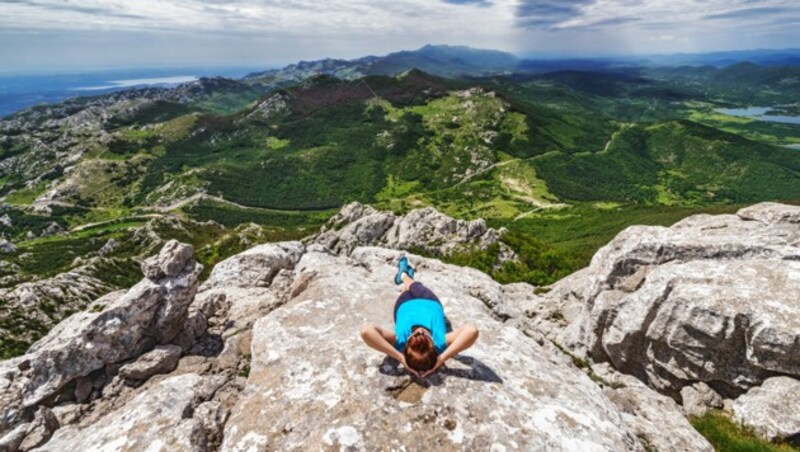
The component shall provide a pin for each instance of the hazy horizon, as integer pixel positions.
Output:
(80, 34)
(256, 66)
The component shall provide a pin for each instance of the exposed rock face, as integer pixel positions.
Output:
(359, 225)
(238, 289)
(652, 417)
(699, 398)
(169, 261)
(162, 417)
(32, 434)
(255, 267)
(267, 355)
(506, 391)
(771, 409)
(160, 360)
(87, 341)
(711, 299)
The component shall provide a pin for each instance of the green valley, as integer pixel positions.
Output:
(563, 160)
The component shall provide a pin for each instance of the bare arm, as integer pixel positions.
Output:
(459, 340)
(383, 341)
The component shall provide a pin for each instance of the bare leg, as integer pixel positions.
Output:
(407, 282)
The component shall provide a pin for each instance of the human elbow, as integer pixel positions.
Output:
(472, 331)
(365, 330)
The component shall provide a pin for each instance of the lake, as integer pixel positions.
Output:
(759, 113)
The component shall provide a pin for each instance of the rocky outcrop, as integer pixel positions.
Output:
(169, 415)
(321, 387)
(31, 304)
(711, 299)
(699, 398)
(32, 434)
(239, 290)
(771, 409)
(266, 355)
(655, 419)
(160, 360)
(421, 229)
(150, 313)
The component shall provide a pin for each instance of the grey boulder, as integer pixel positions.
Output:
(771, 409)
(161, 417)
(160, 360)
(359, 225)
(710, 299)
(150, 313)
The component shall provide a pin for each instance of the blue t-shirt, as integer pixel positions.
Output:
(428, 314)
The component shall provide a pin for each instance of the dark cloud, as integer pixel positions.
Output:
(469, 2)
(546, 13)
(748, 13)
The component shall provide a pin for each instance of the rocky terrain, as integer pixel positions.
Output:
(265, 353)
(30, 306)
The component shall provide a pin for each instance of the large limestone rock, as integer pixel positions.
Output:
(321, 387)
(163, 417)
(711, 299)
(239, 288)
(32, 434)
(150, 313)
(698, 398)
(697, 310)
(161, 359)
(255, 267)
(654, 418)
(359, 225)
(771, 409)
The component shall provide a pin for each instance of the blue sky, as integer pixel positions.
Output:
(67, 34)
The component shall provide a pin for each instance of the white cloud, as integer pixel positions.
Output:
(288, 30)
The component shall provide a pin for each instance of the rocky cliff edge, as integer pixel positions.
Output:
(265, 354)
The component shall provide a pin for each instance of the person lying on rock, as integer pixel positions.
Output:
(420, 340)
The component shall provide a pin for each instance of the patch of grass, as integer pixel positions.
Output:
(728, 436)
(10, 348)
(231, 216)
(576, 233)
(25, 196)
(23, 221)
(396, 188)
(275, 143)
(245, 370)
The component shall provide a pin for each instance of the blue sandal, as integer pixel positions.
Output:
(403, 267)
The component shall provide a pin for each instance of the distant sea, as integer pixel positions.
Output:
(20, 91)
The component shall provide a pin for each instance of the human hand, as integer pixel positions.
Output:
(439, 363)
(407, 367)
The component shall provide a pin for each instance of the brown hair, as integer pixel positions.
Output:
(420, 353)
